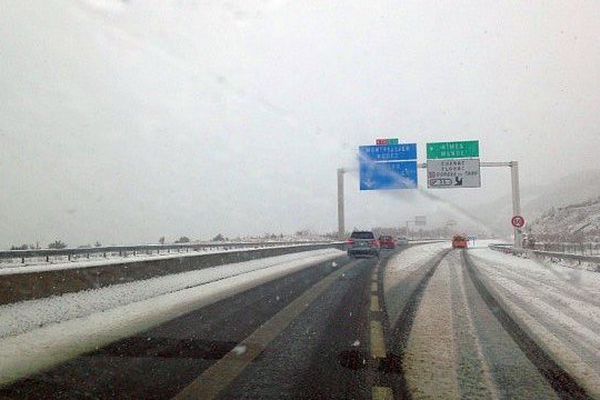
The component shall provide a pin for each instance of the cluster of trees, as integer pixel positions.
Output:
(22, 247)
(185, 239)
(182, 239)
(57, 244)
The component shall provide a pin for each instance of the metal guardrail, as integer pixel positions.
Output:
(550, 254)
(19, 284)
(583, 248)
(147, 249)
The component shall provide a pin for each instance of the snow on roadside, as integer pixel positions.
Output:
(430, 357)
(42, 348)
(560, 307)
(402, 275)
(550, 272)
(410, 260)
(9, 269)
(24, 316)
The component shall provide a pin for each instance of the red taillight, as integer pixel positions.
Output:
(375, 243)
(350, 242)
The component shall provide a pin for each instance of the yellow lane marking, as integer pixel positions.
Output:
(220, 375)
(373, 286)
(377, 343)
(375, 304)
(382, 393)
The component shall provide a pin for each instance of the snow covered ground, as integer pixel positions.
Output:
(558, 306)
(575, 221)
(61, 262)
(458, 348)
(410, 260)
(99, 259)
(404, 271)
(37, 334)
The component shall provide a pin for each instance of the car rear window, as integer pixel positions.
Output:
(362, 235)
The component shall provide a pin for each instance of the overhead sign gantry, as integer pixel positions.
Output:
(392, 165)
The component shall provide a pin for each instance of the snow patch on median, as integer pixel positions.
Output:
(27, 315)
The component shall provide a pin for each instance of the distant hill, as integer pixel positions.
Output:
(572, 189)
(537, 200)
(575, 222)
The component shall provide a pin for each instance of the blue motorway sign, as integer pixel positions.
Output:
(393, 152)
(391, 166)
(388, 175)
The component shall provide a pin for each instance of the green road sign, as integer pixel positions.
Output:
(467, 149)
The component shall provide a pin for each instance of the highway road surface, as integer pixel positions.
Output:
(424, 321)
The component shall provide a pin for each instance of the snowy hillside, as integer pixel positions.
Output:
(574, 222)
(539, 200)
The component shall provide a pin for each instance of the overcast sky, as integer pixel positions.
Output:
(123, 121)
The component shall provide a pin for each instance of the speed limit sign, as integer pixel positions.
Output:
(518, 221)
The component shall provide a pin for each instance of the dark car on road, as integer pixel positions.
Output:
(387, 242)
(363, 244)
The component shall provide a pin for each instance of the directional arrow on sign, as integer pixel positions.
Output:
(369, 183)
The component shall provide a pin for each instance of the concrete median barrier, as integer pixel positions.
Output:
(35, 282)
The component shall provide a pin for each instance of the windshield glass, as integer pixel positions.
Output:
(362, 235)
(271, 199)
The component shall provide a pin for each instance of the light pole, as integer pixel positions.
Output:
(516, 194)
(340, 195)
(516, 201)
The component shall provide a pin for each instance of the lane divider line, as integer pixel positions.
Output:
(382, 393)
(375, 303)
(377, 343)
(374, 287)
(222, 373)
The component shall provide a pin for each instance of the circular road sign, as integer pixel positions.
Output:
(517, 221)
